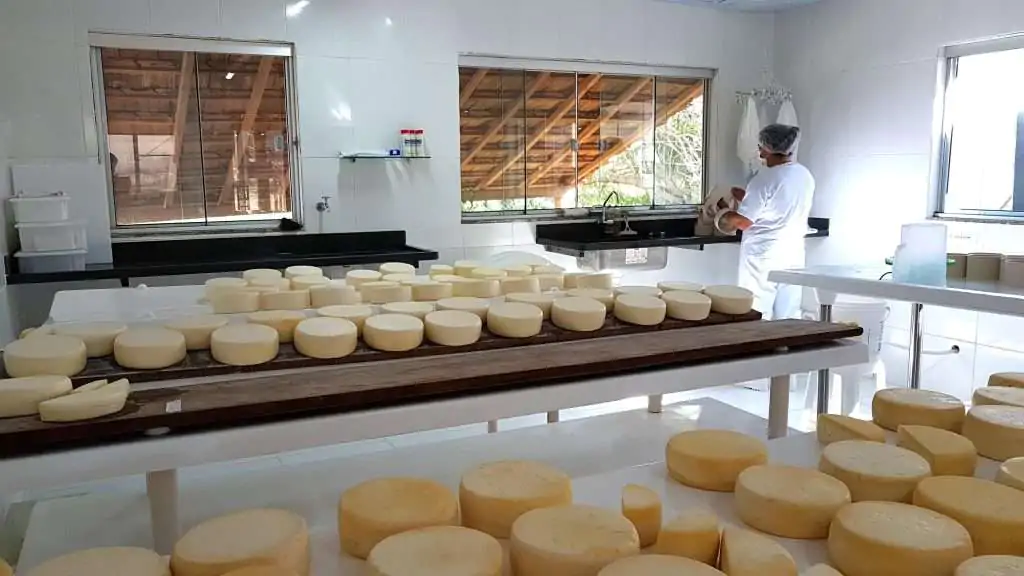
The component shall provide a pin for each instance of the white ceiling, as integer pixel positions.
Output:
(745, 4)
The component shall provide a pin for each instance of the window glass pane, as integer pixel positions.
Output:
(551, 129)
(679, 142)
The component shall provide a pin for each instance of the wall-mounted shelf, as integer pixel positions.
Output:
(354, 157)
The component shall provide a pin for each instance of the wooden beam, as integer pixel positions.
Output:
(509, 114)
(186, 81)
(259, 86)
(471, 86)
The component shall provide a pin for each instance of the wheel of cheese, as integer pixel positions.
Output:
(638, 290)
(789, 502)
(393, 332)
(326, 338)
(747, 553)
(97, 336)
(991, 512)
(694, 534)
(296, 271)
(571, 279)
(241, 539)
(997, 431)
(680, 287)
(244, 344)
(550, 281)
(197, 329)
(441, 269)
(357, 314)
(465, 268)
(948, 453)
(437, 551)
(518, 271)
(514, 320)
(476, 288)
(477, 306)
(95, 403)
(712, 459)
(606, 297)
(268, 570)
(878, 538)
(547, 269)
(640, 309)
(215, 286)
(687, 305)
(283, 321)
(992, 396)
(992, 566)
(261, 274)
(835, 428)
(573, 540)
(485, 273)
(642, 507)
(385, 292)
(431, 291)
(874, 471)
(21, 396)
(731, 300)
(399, 278)
(397, 268)
(515, 284)
(45, 354)
(1007, 379)
(333, 294)
(149, 348)
(285, 300)
(417, 309)
(113, 561)
(1011, 473)
(542, 301)
(602, 280)
(452, 327)
(895, 406)
(373, 510)
(235, 302)
(578, 314)
(493, 495)
(271, 284)
(414, 280)
(658, 565)
(356, 278)
(821, 570)
(307, 282)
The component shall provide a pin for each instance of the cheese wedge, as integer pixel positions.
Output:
(836, 428)
(106, 400)
(747, 553)
(948, 453)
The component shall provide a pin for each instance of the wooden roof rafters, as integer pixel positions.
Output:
(510, 113)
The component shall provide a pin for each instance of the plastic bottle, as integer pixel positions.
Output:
(421, 144)
(408, 145)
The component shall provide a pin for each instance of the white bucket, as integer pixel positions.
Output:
(870, 315)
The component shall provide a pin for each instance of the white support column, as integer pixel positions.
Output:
(553, 417)
(162, 489)
(492, 426)
(654, 403)
(778, 407)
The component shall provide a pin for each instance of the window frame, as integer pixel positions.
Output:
(707, 75)
(100, 40)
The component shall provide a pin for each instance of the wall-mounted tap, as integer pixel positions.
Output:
(324, 204)
(604, 207)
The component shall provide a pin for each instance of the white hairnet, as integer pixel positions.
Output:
(780, 139)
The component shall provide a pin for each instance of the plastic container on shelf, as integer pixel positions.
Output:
(983, 266)
(43, 262)
(421, 144)
(921, 257)
(52, 236)
(1012, 271)
(48, 208)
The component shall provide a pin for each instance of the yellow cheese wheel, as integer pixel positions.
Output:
(603, 295)
(113, 561)
(601, 280)
(97, 336)
(465, 268)
(788, 501)
(493, 495)
(642, 507)
(874, 471)
(431, 291)
(242, 539)
(542, 301)
(285, 300)
(393, 332)
(895, 406)
(261, 273)
(296, 271)
(326, 338)
(197, 329)
(514, 320)
(991, 512)
(441, 270)
(357, 278)
(638, 290)
(996, 431)
(452, 327)
(694, 534)
(149, 348)
(1011, 473)
(639, 309)
(244, 344)
(658, 565)
(731, 300)
(999, 396)
(334, 293)
(397, 268)
(477, 306)
(436, 551)
(518, 271)
(22, 396)
(417, 309)
(712, 459)
(514, 284)
(687, 305)
(45, 354)
(574, 540)
(677, 286)
(992, 566)
(357, 314)
(308, 282)
(284, 321)
(578, 314)
(1009, 379)
(548, 282)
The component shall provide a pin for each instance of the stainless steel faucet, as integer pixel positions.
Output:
(604, 207)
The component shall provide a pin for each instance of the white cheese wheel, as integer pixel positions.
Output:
(731, 300)
(712, 459)
(602, 280)
(991, 512)
(393, 332)
(606, 297)
(197, 329)
(149, 348)
(642, 507)
(574, 540)
(414, 280)
(638, 290)
(948, 453)
(1011, 473)
(271, 284)
(515, 320)
(113, 561)
(518, 271)
(465, 268)
(835, 428)
(244, 344)
(399, 278)
(874, 471)
(821, 570)
(895, 406)
(431, 291)
(384, 292)
(441, 270)
(261, 274)
(997, 431)
(990, 396)
(547, 269)
(21, 396)
(285, 300)
(452, 327)
(747, 553)
(476, 288)
(656, 565)
(241, 539)
(235, 302)
(486, 273)
(296, 271)
(45, 354)
(693, 534)
(397, 268)
(542, 301)
(326, 338)
(493, 495)
(283, 321)
(680, 287)
(550, 281)
(578, 314)
(515, 284)
(373, 510)
(333, 294)
(357, 314)
(996, 565)
(1007, 379)
(103, 401)
(477, 306)
(98, 336)
(882, 538)
(789, 502)
(687, 305)
(640, 309)
(307, 282)
(437, 551)
(571, 279)
(449, 278)
(417, 309)
(215, 286)
(356, 278)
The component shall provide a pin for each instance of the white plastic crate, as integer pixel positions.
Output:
(43, 262)
(49, 208)
(52, 236)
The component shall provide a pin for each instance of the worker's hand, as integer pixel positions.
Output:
(739, 194)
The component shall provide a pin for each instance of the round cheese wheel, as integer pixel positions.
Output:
(514, 320)
(606, 297)
(640, 309)
(519, 284)
(547, 269)
(680, 287)
(731, 300)
(356, 278)
(307, 282)
(1011, 473)
(518, 271)
(393, 332)
(441, 270)
(149, 348)
(452, 327)
(874, 471)
(417, 309)
(477, 306)
(295, 271)
(431, 291)
(113, 561)
(874, 538)
(414, 280)
(271, 284)
(476, 288)
(268, 570)
(45, 354)
(333, 294)
(97, 336)
(244, 344)
(487, 273)
(895, 406)
(658, 565)
(789, 502)
(241, 539)
(283, 321)
(542, 301)
(385, 292)
(997, 431)
(285, 300)
(397, 268)
(578, 314)
(571, 279)
(1007, 379)
(373, 510)
(570, 540)
(989, 396)
(712, 459)
(947, 453)
(216, 286)
(399, 278)
(694, 534)
(197, 329)
(550, 281)
(261, 274)
(22, 396)
(450, 278)
(991, 512)
(493, 495)
(992, 566)
(326, 337)
(437, 551)
(638, 290)
(465, 267)
(235, 302)
(687, 305)
(602, 280)
(357, 314)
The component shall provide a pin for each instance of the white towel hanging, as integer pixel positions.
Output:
(747, 140)
(787, 114)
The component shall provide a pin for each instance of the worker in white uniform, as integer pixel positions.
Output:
(772, 214)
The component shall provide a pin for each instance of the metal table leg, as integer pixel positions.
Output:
(654, 404)
(916, 341)
(492, 426)
(162, 489)
(824, 376)
(553, 417)
(778, 407)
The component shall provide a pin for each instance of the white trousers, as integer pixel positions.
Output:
(774, 301)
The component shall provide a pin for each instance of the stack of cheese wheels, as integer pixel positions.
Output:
(334, 293)
(326, 337)
(658, 565)
(384, 292)
(990, 396)
(578, 314)
(694, 534)
(236, 302)
(373, 510)
(441, 270)
(244, 344)
(638, 290)
(215, 286)
(94, 400)
(548, 282)
(1011, 473)
(642, 507)
(431, 291)
(21, 396)
(45, 354)
(149, 348)
(452, 327)
(895, 406)
(514, 320)
(1007, 379)
(437, 551)
(113, 561)
(308, 282)
(997, 431)
(285, 300)
(393, 332)
(246, 538)
(789, 502)
(296, 271)
(991, 512)
(947, 453)
(417, 309)
(357, 314)
(996, 565)
(397, 268)
(357, 278)
(712, 459)
(465, 268)
(542, 301)
(640, 309)
(747, 553)
(197, 329)
(602, 280)
(731, 300)
(97, 336)
(477, 306)
(873, 538)
(687, 305)
(874, 471)
(493, 495)
(485, 273)
(835, 428)
(284, 321)
(570, 540)
(602, 295)
(677, 286)
(515, 284)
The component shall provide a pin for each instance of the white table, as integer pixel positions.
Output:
(876, 282)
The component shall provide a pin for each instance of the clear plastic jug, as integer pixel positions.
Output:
(921, 256)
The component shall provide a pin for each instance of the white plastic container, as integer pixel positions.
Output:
(50, 208)
(52, 236)
(43, 262)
